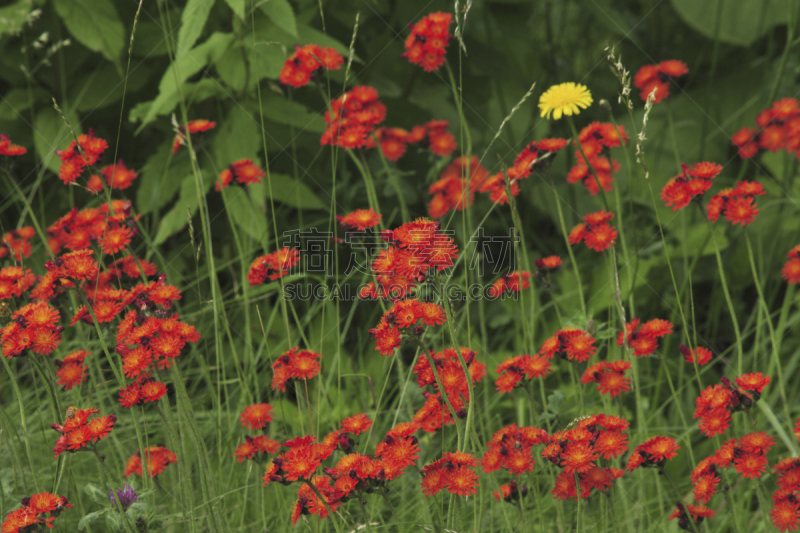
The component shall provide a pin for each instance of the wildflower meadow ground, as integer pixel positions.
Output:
(307, 265)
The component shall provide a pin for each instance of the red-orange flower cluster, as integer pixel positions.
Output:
(657, 77)
(402, 315)
(785, 513)
(511, 448)
(77, 430)
(116, 176)
(609, 376)
(576, 451)
(427, 44)
(791, 269)
(195, 126)
(16, 243)
(653, 453)
(597, 139)
(245, 172)
(352, 117)
(70, 370)
(158, 459)
(778, 128)
(144, 341)
(697, 513)
(273, 266)
(294, 364)
(74, 159)
(360, 219)
(644, 339)
(513, 282)
(454, 472)
(737, 204)
(14, 280)
(514, 368)
(33, 327)
(700, 355)
(716, 403)
(453, 189)
(690, 183)
(415, 250)
(301, 65)
(595, 231)
(34, 513)
(8, 148)
(569, 343)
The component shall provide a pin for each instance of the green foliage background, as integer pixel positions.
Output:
(220, 60)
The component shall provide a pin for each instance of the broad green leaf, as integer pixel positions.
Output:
(283, 111)
(157, 184)
(183, 68)
(237, 6)
(280, 12)
(97, 494)
(266, 60)
(16, 101)
(95, 24)
(741, 22)
(178, 217)
(52, 134)
(104, 86)
(114, 522)
(287, 190)
(308, 35)
(193, 19)
(12, 18)
(232, 68)
(91, 517)
(244, 213)
(238, 137)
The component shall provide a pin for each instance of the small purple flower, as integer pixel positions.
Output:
(126, 497)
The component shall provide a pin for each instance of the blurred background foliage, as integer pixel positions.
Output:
(76, 53)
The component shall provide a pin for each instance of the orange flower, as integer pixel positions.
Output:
(356, 424)
(426, 46)
(256, 416)
(360, 219)
(7, 148)
(195, 126)
(657, 77)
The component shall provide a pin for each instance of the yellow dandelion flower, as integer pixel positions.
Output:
(564, 99)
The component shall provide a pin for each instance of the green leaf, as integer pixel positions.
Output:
(114, 522)
(96, 493)
(244, 213)
(283, 111)
(95, 24)
(238, 137)
(104, 86)
(308, 35)
(89, 518)
(741, 22)
(183, 68)
(232, 68)
(266, 60)
(237, 6)
(289, 191)
(52, 134)
(280, 12)
(178, 217)
(157, 183)
(193, 19)
(12, 18)
(16, 101)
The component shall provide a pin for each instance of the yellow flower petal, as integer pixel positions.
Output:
(564, 99)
